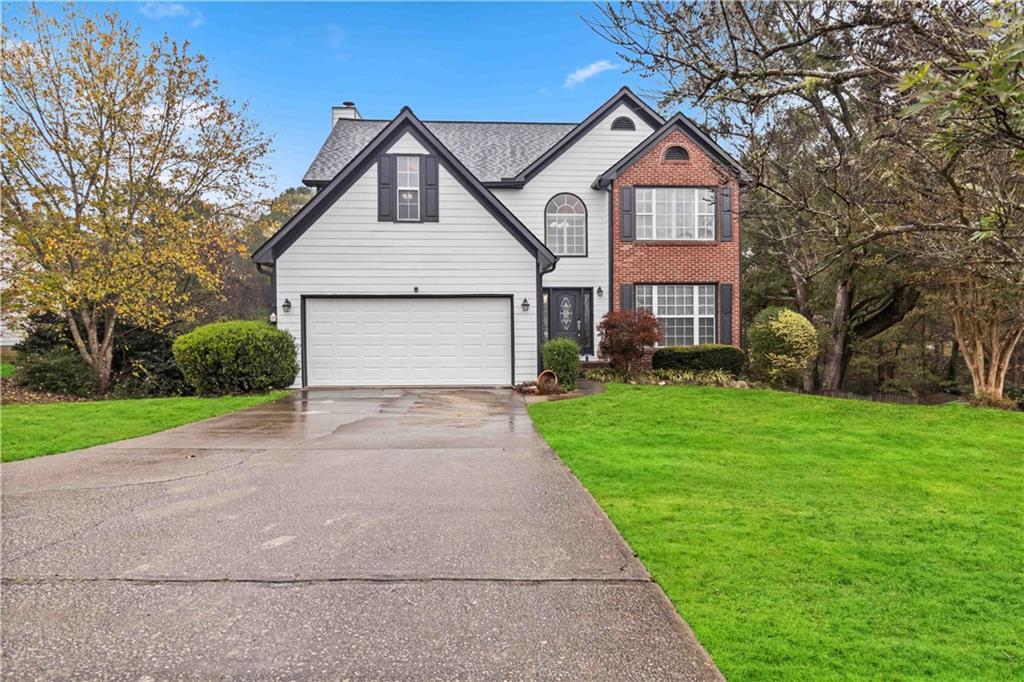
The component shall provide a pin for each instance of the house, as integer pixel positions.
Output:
(446, 252)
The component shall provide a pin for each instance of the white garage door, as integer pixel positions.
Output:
(408, 341)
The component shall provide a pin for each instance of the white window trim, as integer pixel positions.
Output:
(696, 317)
(696, 214)
(558, 246)
(399, 188)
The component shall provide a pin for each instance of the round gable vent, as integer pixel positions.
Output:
(676, 154)
(623, 123)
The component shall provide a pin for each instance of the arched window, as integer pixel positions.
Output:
(565, 225)
(623, 123)
(676, 154)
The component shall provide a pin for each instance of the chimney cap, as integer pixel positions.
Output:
(348, 104)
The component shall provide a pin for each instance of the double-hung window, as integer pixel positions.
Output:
(408, 187)
(675, 213)
(685, 312)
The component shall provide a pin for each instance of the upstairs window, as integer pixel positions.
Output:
(675, 213)
(623, 123)
(565, 225)
(408, 187)
(685, 312)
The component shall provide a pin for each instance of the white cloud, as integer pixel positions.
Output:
(587, 72)
(162, 10)
(335, 36)
(171, 10)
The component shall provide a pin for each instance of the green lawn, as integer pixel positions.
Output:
(810, 538)
(33, 430)
(6, 369)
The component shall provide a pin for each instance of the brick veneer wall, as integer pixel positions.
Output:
(662, 262)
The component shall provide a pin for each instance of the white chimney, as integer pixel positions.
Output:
(346, 110)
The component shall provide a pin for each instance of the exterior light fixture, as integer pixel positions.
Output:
(286, 306)
(525, 306)
(600, 292)
(273, 318)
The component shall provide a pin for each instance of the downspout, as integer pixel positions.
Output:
(270, 272)
(541, 271)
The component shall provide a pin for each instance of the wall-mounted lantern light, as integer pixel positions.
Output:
(525, 306)
(286, 306)
(273, 318)
(600, 292)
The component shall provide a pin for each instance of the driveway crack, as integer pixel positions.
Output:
(137, 483)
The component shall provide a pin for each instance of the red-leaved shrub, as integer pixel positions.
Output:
(625, 335)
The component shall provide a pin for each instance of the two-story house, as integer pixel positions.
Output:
(446, 252)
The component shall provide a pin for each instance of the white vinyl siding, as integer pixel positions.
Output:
(346, 251)
(573, 172)
(675, 213)
(685, 312)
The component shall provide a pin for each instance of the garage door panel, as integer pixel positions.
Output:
(400, 341)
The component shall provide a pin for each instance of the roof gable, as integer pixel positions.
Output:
(405, 122)
(623, 96)
(693, 132)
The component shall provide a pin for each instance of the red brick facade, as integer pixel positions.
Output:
(664, 262)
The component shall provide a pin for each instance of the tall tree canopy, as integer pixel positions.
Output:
(849, 112)
(125, 172)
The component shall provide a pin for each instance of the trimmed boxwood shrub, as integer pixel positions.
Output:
(782, 344)
(236, 357)
(562, 356)
(701, 358)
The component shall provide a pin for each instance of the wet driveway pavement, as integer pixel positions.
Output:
(378, 533)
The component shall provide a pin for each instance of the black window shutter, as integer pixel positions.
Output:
(625, 297)
(725, 313)
(428, 190)
(725, 214)
(386, 175)
(628, 221)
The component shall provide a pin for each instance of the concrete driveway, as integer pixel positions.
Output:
(383, 534)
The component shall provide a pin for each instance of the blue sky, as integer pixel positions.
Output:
(466, 61)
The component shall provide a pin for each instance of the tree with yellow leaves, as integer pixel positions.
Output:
(124, 173)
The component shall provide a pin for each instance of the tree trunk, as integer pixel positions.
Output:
(954, 354)
(986, 340)
(837, 350)
(96, 352)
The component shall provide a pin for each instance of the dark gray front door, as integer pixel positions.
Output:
(569, 316)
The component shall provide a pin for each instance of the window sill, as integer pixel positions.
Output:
(676, 242)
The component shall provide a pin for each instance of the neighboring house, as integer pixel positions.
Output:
(446, 252)
(9, 334)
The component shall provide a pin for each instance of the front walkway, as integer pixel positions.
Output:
(377, 533)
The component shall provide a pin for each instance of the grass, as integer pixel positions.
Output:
(808, 538)
(6, 369)
(32, 430)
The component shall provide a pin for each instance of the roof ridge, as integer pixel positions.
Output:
(442, 120)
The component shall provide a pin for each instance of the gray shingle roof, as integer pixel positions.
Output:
(490, 150)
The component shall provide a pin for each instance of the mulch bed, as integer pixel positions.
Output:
(11, 393)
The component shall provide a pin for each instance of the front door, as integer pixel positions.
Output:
(569, 316)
